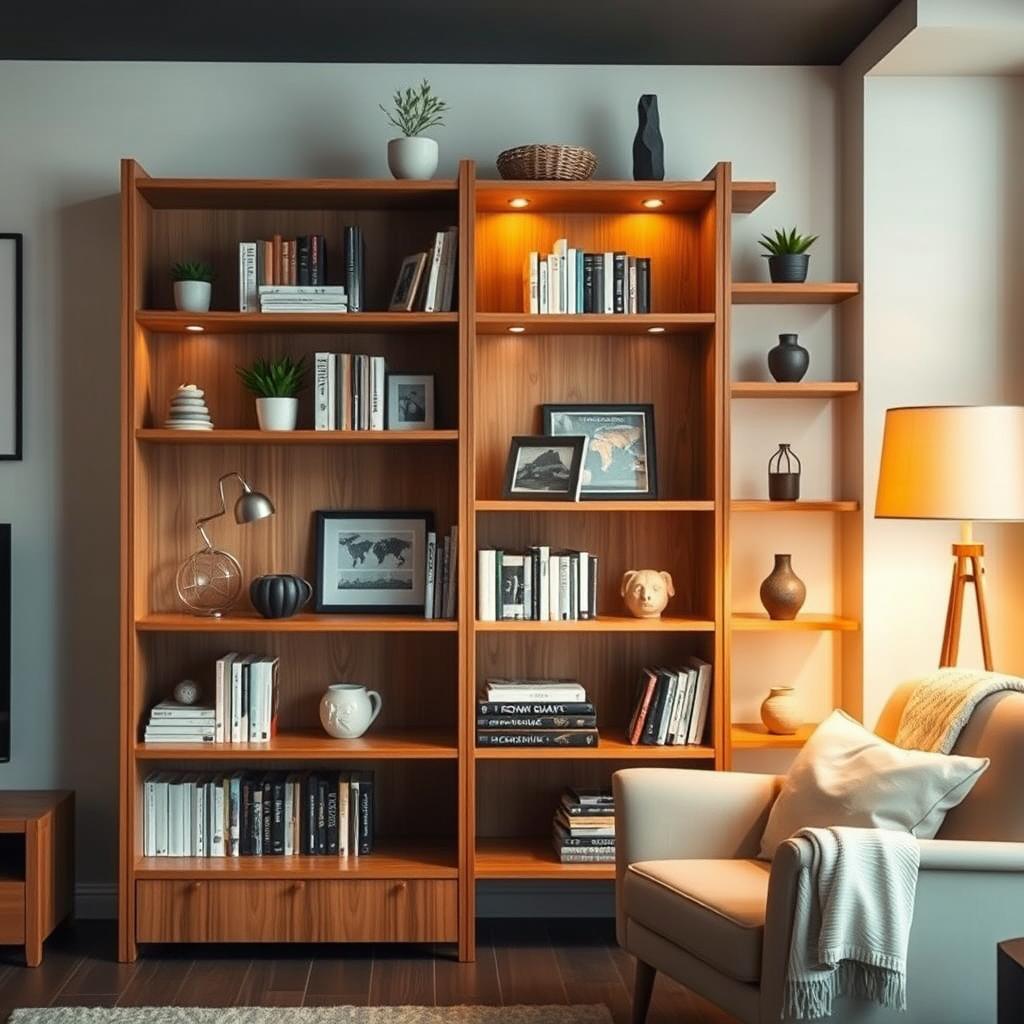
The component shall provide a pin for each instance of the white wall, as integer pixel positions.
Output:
(63, 128)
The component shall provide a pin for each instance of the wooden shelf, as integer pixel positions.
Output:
(612, 747)
(763, 505)
(295, 194)
(304, 622)
(747, 196)
(593, 323)
(518, 857)
(754, 736)
(604, 624)
(514, 505)
(410, 859)
(160, 435)
(805, 622)
(593, 196)
(757, 293)
(311, 744)
(171, 321)
(804, 389)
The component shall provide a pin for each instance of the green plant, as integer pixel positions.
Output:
(786, 243)
(196, 271)
(274, 378)
(416, 110)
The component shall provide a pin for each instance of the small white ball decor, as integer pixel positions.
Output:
(187, 692)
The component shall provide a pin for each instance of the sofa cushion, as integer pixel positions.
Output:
(714, 909)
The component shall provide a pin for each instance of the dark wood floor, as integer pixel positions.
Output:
(533, 962)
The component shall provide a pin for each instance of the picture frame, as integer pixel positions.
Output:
(545, 468)
(372, 562)
(407, 287)
(11, 366)
(621, 462)
(409, 401)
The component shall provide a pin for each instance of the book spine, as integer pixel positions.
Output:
(643, 284)
(343, 815)
(309, 830)
(631, 303)
(570, 282)
(248, 287)
(592, 578)
(588, 282)
(574, 856)
(528, 586)
(619, 292)
(366, 812)
(574, 585)
(450, 250)
(586, 842)
(608, 282)
(315, 277)
(353, 817)
(332, 817)
(537, 722)
(585, 810)
(543, 300)
(428, 588)
(486, 709)
(553, 738)
(650, 734)
(451, 595)
(531, 282)
(579, 281)
(302, 260)
(584, 585)
(377, 374)
(564, 588)
(321, 392)
(430, 304)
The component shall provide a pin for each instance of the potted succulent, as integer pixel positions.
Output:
(276, 384)
(787, 255)
(413, 155)
(192, 286)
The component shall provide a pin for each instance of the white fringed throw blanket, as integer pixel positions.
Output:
(851, 925)
(942, 704)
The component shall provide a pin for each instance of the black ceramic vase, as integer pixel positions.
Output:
(783, 592)
(789, 267)
(648, 147)
(784, 475)
(279, 597)
(789, 360)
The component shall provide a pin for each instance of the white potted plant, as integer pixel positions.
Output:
(276, 384)
(192, 286)
(416, 111)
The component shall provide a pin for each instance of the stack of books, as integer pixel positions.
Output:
(426, 280)
(572, 281)
(535, 713)
(250, 815)
(348, 391)
(536, 584)
(584, 827)
(671, 707)
(245, 698)
(442, 578)
(282, 298)
(171, 722)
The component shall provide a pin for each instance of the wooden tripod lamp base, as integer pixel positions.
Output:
(967, 568)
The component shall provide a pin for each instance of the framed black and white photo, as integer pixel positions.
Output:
(372, 562)
(10, 347)
(545, 468)
(620, 460)
(409, 275)
(409, 401)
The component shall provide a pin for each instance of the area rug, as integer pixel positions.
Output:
(315, 1015)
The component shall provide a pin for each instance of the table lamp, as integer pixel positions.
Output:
(963, 462)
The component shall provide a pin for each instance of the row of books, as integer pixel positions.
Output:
(569, 280)
(671, 707)
(584, 827)
(538, 584)
(247, 815)
(296, 269)
(535, 713)
(442, 576)
(426, 280)
(348, 391)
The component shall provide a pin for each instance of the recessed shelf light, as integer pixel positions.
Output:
(519, 203)
(195, 328)
(516, 329)
(655, 330)
(653, 204)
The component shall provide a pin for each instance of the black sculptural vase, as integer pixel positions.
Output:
(648, 147)
(788, 361)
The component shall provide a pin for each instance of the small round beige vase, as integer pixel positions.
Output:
(780, 711)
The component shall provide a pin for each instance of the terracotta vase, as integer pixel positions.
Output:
(783, 592)
(780, 711)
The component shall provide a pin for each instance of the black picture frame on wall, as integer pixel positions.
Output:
(11, 327)
(346, 572)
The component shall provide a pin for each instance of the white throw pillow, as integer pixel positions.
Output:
(846, 775)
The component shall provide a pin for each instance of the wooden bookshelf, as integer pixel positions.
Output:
(804, 389)
(810, 293)
(530, 857)
(162, 435)
(805, 622)
(764, 505)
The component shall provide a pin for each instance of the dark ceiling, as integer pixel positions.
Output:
(443, 31)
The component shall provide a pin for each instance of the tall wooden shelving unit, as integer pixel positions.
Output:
(449, 814)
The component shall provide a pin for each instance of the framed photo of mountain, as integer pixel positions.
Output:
(542, 468)
(620, 461)
(372, 563)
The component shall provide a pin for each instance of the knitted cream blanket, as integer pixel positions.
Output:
(942, 704)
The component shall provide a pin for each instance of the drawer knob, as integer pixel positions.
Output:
(298, 886)
(399, 887)
(196, 886)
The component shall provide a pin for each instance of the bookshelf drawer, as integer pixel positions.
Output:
(274, 910)
(12, 912)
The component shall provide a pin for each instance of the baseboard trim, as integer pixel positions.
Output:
(95, 901)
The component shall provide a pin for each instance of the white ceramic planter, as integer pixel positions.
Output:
(412, 157)
(192, 296)
(277, 413)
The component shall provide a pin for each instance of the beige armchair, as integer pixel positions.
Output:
(694, 902)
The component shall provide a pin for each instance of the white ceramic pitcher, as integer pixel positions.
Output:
(348, 709)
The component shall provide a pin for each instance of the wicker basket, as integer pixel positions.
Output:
(547, 163)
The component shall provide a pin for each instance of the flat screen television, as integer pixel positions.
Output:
(5, 642)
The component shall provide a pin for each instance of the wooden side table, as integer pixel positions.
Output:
(37, 844)
(1011, 981)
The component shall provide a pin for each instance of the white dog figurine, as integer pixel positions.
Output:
(646, 592)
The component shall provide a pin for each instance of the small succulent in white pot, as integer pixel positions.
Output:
(414, 155)
(276, 384)
(192, 286)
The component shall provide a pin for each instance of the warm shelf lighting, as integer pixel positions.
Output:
(653, 204)
(519, 203)
(655, 330)
(195, 328)
(516, 329)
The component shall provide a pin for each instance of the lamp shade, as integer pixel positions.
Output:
(251, 506)
(952, 462)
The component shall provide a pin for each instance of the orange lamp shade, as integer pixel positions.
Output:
(952, 462)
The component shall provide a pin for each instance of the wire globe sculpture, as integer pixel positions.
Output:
(209, 582)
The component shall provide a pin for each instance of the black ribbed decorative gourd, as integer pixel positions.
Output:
(279, 596)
